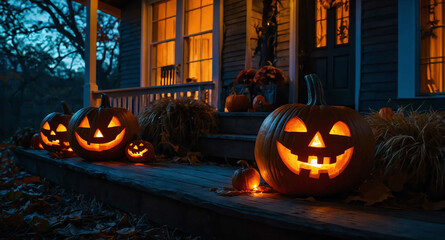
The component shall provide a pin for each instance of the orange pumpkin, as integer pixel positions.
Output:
(237, 103)
(386, 112)
(245, 178)
(102, 133)
(53, 130)
(314, 149)
(260, 105)
(140, 151)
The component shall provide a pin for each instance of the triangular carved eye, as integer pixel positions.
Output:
(114, 122)
(341, 129)
(46, 126)
(295, 124)
(61, 128)
(85, 123)
(141, 145)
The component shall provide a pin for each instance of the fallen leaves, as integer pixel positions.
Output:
(371, 192)
(32, 207)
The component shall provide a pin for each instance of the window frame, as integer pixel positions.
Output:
(147, 30)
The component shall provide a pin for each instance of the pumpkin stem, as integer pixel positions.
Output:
(243, 164)
(104, 101)
(387, 103)
(314, 90)
(66, 108)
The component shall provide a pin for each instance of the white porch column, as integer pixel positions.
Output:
(90, 55)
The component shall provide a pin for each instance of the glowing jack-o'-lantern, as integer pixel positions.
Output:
(140, 151)
(102, 133)
(53, 130)
(314, 149)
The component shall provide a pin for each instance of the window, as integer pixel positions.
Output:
(189, 56)
(198, 40)
(163, 39)
(341, 8)
(432, 50)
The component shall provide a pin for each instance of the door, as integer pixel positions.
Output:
(326, 47)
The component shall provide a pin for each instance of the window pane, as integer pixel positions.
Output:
(159, 31)
(193, 46)
(171, 8)
(170, 53)
(320, 25)
(170, 31)
(342, 22)
(432, 49)
(159, 11)
(207, 18)
(206, 46)
(192, 4)
(193, 21)
(163, 54)
(207, 2)
(194, 71)
(206, 71)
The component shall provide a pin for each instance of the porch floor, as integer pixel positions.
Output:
(179, 195)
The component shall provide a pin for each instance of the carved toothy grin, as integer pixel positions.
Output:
(332, 169)
(48, 142)
(99, 147)
(137, 154)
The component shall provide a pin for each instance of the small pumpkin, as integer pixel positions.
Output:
(386, 112)
(237, 102)
(35, 141)
(260, 105)
(100, 134)
(53, 130)
(314, 149)
(140, 151)
(245, 178)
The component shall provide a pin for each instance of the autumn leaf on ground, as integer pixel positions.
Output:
(38, 223)
(32, 179)
(371, 192)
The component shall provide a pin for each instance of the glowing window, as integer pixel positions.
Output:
(342, 22)
(320, 25)
(163, 38)
(432, 50)
(198, 40)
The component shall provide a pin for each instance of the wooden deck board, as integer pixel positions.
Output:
(179, 195)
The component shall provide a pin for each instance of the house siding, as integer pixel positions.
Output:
(234, 40)
(378, 53)
(130, 45)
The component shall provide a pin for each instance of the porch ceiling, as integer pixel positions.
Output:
(112, 7)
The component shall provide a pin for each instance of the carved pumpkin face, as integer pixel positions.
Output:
(102, 133)
(53, 130)
(314, 149)
(317, 154)
(140, 151)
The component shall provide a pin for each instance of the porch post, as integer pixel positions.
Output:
(90, 55)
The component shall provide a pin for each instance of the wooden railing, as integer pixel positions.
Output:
(137, 99)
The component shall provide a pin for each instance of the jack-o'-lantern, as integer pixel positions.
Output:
(99, 134)
(53, 130)
(140, 151)
(314, 149)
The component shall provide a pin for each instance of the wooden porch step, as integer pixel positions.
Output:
(178, 195)
(233, 146)
(243, 123)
